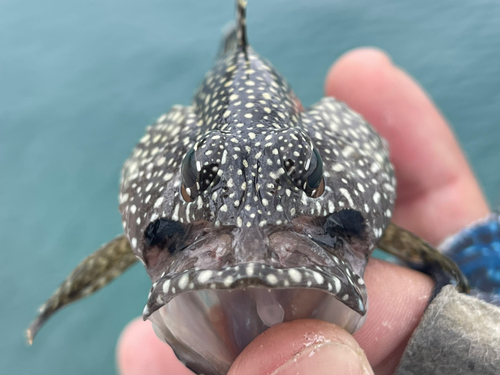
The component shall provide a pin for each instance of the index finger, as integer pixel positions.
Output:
(437, 193)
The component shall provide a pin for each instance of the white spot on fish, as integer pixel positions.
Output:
(295, 275)
(273, 280)
(158, 202)
(249, 270)
(346, 194)
(336, 283)
(183, 281)
(319, 279)
(228, 280)
(166, 286)
(204, 276)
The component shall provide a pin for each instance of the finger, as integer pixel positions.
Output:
(398, 298)
(140, 352)
(302, 347)
(437, 193)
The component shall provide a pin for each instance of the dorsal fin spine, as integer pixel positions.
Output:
(241, 23)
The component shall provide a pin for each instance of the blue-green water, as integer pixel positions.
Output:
(79, 81)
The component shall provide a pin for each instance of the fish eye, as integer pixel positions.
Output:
(315, 184)
(188, 173)
(193, 183)
(312, 181)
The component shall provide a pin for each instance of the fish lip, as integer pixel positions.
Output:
(348, 289)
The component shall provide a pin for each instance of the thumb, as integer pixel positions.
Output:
(303, 347)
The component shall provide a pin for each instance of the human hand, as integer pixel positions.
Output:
(437, 195)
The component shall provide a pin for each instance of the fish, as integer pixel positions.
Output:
(247, 210)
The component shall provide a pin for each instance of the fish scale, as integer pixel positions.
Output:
(248, 210)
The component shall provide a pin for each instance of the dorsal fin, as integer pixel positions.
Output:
(235, 35)
(241, 23)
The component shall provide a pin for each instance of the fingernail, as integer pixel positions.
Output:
(329, 358)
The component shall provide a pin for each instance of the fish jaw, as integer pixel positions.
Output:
(351, 291)
(222, 291)
(209, 315)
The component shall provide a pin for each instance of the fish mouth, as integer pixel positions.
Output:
(346, 287)
(278, 260)
(214, 297)
(210, 316)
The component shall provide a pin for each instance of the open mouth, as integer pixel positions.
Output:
(228, 308)
(345, 287)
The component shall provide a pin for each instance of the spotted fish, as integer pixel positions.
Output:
(248, 210)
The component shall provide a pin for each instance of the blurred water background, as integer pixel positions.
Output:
(79, 81)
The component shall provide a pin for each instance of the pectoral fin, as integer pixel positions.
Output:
(93, 273)
(415, 251)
